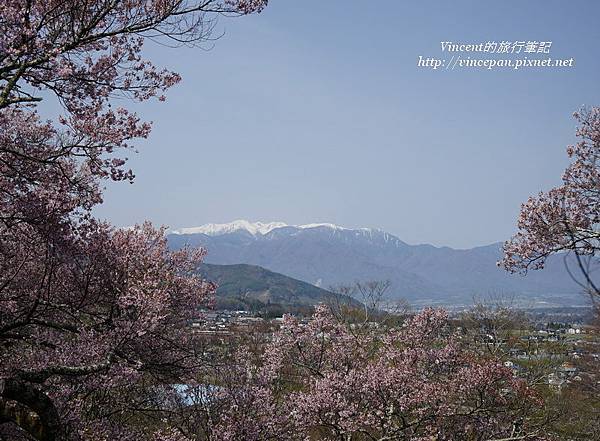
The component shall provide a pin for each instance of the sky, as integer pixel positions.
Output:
(316, 111)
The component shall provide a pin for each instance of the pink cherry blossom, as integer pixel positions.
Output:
(326, 380)
(93, 320)
(564, 219)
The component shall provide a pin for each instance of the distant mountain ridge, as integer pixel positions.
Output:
(327, 254)
(253, 228)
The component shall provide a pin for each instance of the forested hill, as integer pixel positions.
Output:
(253, 287)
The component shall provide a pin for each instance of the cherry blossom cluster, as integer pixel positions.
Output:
(566, 217)
(93, 320)
(328, 380)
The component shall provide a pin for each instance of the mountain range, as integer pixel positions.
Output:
(326, 255)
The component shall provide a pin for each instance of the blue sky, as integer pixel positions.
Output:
(315, 111)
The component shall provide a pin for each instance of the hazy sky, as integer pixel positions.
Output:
(315, 111)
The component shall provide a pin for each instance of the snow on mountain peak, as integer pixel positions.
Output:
(326, 225)
(262, 228)
(253, 228)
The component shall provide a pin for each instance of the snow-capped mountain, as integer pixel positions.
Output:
(263, 228)
(326, 254)
(253, 228)
(219, 229)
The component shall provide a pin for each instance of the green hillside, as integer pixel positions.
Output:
(253, 287)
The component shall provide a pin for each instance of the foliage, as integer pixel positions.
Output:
(564, 219)
(92, 319)
(326, 379)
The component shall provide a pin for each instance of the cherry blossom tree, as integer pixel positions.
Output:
(92, 319)
(564, 219)
(325, 380)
